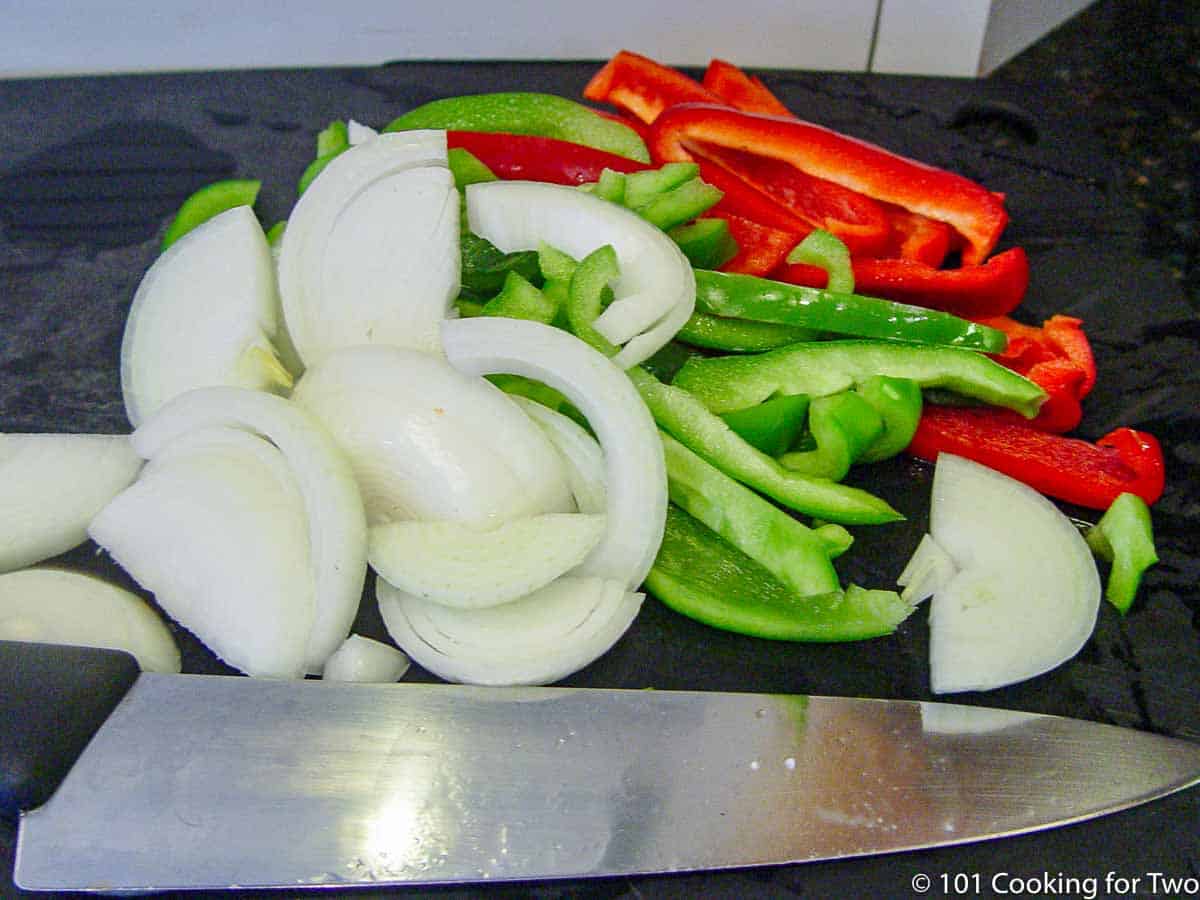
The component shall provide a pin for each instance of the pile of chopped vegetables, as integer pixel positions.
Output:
(521, 360)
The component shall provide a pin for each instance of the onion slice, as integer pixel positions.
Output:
(207, 312)
(58, 606)
(581, 455)
(215, 527)
(370, 253)
(656, 290)
(362, 659)
(337, 528)
(927, 572)
(456, 565)
(51, 485)
(538, 639)
(427, 442)
(1027, 593)
(635, 470)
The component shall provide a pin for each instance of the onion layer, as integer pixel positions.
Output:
(635, 470)
(362, 659)
(538, 639)
(337, 529)
(57, 606)
(51, 485)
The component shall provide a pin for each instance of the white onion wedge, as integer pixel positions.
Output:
(1027, 593)
(337, 527)
(370, 253)
(635, 470)
(457, 565)
(927, 572)
(206, 313)
(51, 485)
(581, 455)
(215, 528)
(427, 442)
(538, 639)
(364, 660)
(656, 290)
(57, 606)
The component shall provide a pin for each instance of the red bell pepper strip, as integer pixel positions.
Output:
(858, 221)
(532, 158)
(1059, 338)
(740, 198)
(761, 248)
(974, 212)
(1066, 468)
(644, 88)
(918, 237)
(742, 90)
(995, 288)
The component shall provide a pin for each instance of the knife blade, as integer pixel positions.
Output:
(210, 782)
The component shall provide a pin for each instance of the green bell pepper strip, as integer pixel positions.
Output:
(773, 425)
(679, 205)
(789, 550)
(275, 233)
(644, 186)
(826, 251)
(843, 426)
(520, 112)
(331, 141)
(739, 335)
(209, 201)
(702, 577)
(1124, 536)
(837, 539)
(707, 243)
(467, 169)
(585, 297)
(519, 299)
(760, 299)
(687, 420)
(899, 402)
(484, 268)
(820, 368)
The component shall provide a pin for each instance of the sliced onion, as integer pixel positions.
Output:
(427, 442)
(928, 571)
(370, 253)
(656, 291)
(51, 485)
(635, 470)
(206, 313)
(457, 565)
(215, 527)
(1027, 593)
(582, 457)
(358, 133)
(337, 529)
(57, 606)
(538, 639)
(362, 659)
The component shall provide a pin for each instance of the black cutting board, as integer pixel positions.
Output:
(92, 168)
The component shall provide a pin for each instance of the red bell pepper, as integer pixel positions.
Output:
(761, 249)
(917, 237)
(527, 157)
(1067, 468)
(992, 289)
(857, 220)
(1058, 358)
(976, 213)
(742, 90)
(644, 88)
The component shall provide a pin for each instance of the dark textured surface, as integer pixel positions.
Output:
(1091, 134)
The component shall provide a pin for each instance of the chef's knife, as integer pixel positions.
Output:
(200, 781)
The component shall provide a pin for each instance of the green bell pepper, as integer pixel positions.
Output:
(332, 140)
(702, 577)
(519, 299)
(707, 243)
(585, 296)
(739, 335)
(843, 426)
(760, 299)
(789, 550)
(820, 368)
(522, 112)
(773, 425)
(1124, 536)
(484, 268)
(899, 403)
(467, 168)
(209, 201)
(826, 251)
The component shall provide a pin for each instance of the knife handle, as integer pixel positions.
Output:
(53, 699)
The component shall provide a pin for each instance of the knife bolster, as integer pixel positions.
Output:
(53, 699)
